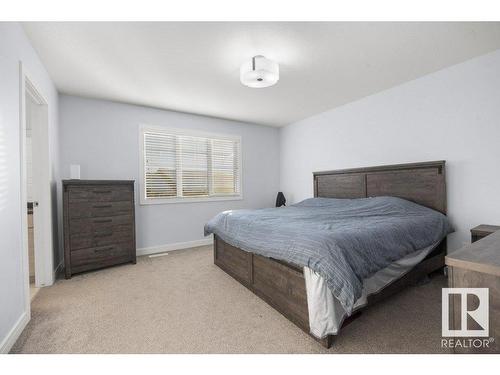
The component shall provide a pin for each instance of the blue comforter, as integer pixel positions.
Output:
(344, 240)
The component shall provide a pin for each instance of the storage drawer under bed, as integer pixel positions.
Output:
(282, 286)
(235, 261)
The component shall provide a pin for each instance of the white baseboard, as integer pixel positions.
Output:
(174, 246)
(11, 338)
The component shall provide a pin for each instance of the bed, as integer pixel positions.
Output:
(303, 291)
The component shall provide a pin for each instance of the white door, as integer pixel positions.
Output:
(38, 189)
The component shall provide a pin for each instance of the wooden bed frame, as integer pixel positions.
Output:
(282, 285)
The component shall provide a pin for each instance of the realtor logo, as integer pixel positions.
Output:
(469, 315)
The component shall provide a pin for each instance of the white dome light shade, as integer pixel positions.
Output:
(259, 72)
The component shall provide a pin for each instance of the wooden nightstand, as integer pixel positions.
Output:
(482, 231)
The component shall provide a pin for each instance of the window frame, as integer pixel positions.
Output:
(186, 132)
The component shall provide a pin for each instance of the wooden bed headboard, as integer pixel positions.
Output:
(423, 183)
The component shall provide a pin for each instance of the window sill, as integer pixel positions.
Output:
(146, 202)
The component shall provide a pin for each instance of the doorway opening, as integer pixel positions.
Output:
(30, 107)
(35, 190)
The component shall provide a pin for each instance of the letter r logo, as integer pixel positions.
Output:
(469, 315)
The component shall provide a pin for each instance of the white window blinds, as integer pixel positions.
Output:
(181, 165)
(160, 165)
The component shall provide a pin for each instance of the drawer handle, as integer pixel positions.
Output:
(104, 249)
(103, 206)
(103, 234)
(103, 221)
(102, 191)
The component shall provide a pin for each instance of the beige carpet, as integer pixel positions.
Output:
(183, 303)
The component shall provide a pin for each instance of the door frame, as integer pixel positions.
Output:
(44, 275)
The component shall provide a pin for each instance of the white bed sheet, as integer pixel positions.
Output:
(326, 314)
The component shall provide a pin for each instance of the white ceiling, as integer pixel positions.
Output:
(194, 67)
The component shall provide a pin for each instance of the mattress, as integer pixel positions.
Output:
(345, 241)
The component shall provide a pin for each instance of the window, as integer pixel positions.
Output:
(182, 165)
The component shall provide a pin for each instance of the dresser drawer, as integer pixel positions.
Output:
(99, 209)
(99, 224)
(103, 256)
(100, 193)
(100, 238)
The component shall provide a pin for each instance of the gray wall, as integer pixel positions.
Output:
(103, 137)
(453, 114)
(15, 47)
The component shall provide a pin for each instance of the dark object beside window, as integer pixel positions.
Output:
(280, 199)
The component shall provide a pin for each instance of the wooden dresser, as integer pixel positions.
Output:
(477, 266)
(99, 224)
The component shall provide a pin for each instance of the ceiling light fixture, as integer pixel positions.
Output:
(259, 72)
